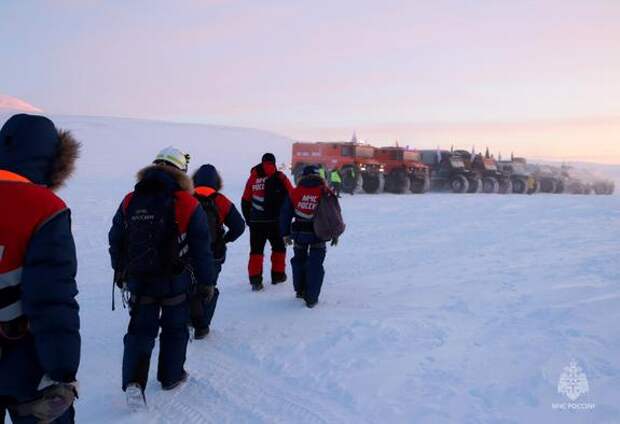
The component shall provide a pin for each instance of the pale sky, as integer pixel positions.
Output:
(541, 78)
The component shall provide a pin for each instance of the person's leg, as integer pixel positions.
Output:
(298, 264)
(139, 342)
(258, 238)
(278, 255)
(173, 343)
(209, 308)
(314, 273)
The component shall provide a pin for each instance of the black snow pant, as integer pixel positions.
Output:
(6, 403)
(204, 317)
(337, 187)
(146, 319)
(259, 234)
(308, 271)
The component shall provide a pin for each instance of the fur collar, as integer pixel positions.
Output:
(179, 176)
(64, 163)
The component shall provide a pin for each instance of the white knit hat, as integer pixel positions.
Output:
(175, 157)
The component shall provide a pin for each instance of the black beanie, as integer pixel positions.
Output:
(269, 157)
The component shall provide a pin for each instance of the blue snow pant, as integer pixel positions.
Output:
(67, 418)
(308, 271)
(209, 308)
(140, 340)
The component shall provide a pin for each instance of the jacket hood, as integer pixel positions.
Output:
(172, 174)
(31, 146)
(311, 181)
(207, 176)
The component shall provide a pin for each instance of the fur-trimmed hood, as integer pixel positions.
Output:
(179, 177)
(32, 146)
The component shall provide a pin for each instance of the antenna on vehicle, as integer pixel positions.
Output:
(487, 155)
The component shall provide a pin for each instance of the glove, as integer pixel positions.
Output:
(334, 241)
(206, 292)
(119, 279)
(54, 402)
(288, 240)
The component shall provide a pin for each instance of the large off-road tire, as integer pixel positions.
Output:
(490, 185)
(351, 179)
(548, 185)
(297, 171)
(419, 186)
(587, 189)
(560, 187)
(459, 184)
(535, 189)
(373, 183)
(505, 186)
(519, 185)
(600, 188)
(475, 185)
(398, 181)
(611, 187)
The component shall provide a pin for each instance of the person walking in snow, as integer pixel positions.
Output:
(160, 247)
(264, 194)
(310, 250)
(335, 181)
(39, 315)
(221, 212)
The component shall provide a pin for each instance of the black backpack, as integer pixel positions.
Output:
(152, 238)
(216, 228)
(275, 193)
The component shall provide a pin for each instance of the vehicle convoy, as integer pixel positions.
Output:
(403, 169)
(447, 170)
(355, 161)
(520, 175)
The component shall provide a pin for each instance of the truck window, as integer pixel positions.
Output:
(346, 151)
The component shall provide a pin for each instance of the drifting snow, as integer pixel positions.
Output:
(435, 309)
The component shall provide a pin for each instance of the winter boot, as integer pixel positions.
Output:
(278, 277)
(136, 401)
(177, 383)
(200, 332)
(257, 286)
(311, 304)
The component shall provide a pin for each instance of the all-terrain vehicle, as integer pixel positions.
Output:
(520, 176)
(485, 176)
(355, 161)
(403, 169)
(549, 178)
(447, 170)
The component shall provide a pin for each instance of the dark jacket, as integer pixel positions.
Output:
(38, 262)
(208, 183)
(297, 213)
(193, 227)
(264, 195)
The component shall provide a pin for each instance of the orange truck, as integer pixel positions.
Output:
(364, 168)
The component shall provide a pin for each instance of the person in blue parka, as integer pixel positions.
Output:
(39, 316)
(297, 227)
(160, 296)
(207, 186)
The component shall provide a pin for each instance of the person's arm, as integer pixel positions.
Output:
(199, 242)
(48, 298)
(286, 216)
(246, 199)
(116, 240)
(287, 184)
(234, 222)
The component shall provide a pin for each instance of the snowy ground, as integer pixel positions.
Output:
(436, 308)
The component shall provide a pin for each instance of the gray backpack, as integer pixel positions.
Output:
(328, 223)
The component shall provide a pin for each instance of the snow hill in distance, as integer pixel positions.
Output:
(8, 103)
(436, 309)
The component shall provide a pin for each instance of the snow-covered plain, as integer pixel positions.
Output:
(435, 309)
